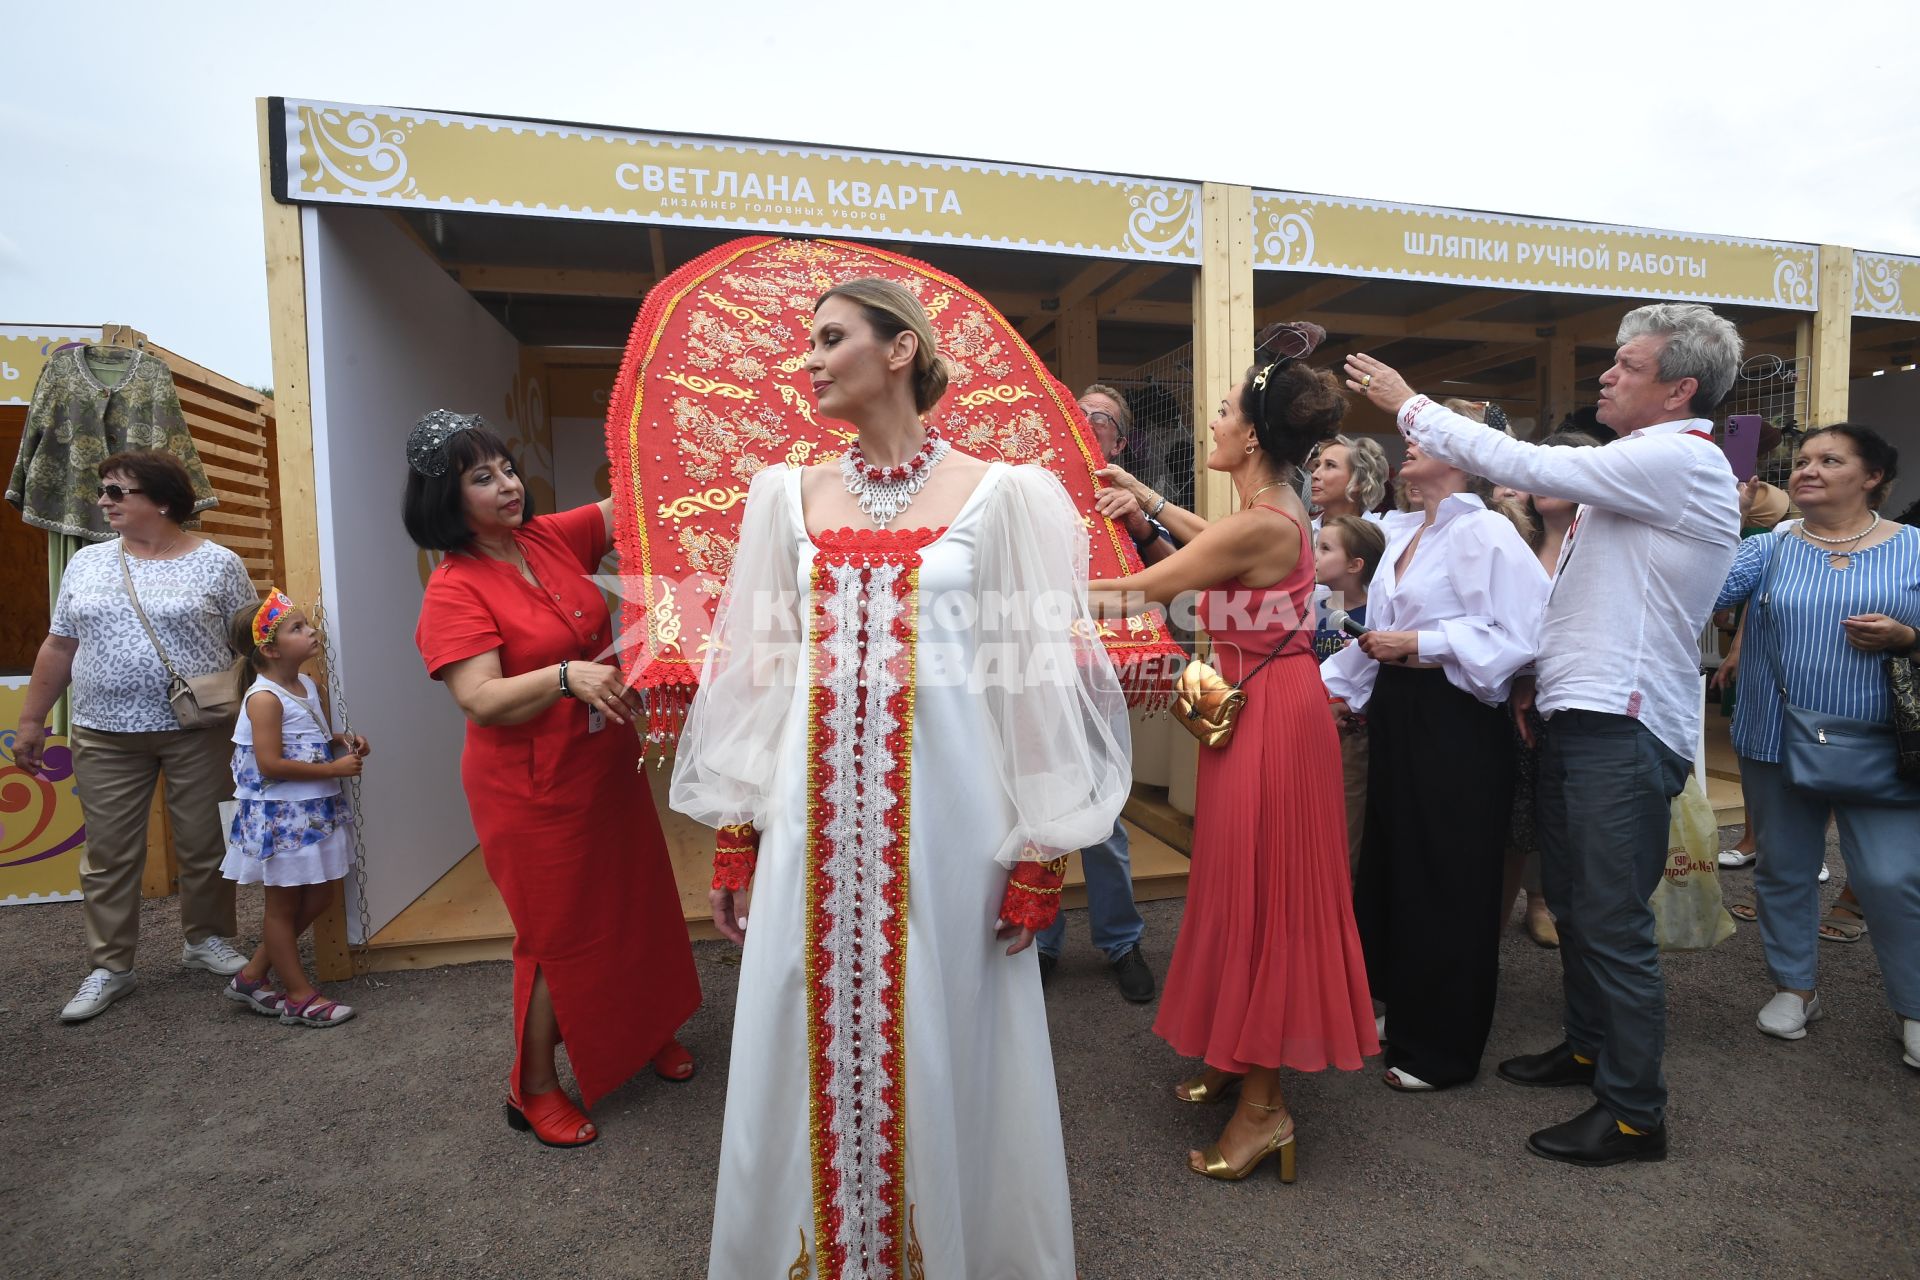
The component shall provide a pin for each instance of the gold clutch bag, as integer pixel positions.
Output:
(1206, 705)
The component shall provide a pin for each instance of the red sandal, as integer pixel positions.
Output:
(552, 1117)
(673, 1062)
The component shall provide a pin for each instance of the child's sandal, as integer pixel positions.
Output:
(315, 1011)
(257, 996)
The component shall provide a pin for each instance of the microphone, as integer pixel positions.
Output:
(1339, 620)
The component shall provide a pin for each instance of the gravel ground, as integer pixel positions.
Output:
(179, 1135)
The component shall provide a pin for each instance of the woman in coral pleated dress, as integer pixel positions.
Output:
(897, 777)
(1267, 972)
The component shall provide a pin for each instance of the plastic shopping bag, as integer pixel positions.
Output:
(1687, 911)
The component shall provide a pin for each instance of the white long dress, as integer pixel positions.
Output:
(891, 1108)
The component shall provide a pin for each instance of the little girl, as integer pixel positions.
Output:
(291, 829)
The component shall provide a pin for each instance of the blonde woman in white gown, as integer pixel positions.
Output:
(897, 766)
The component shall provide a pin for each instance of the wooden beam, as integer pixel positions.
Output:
(1079, 330)
(1013, 304)
(1222, 318)
(1472, 303)
(298, 510)
(1157, 313)
(1832, 337)
(1077, 290)
(551, 282)
(1323, 292)
(1129, 287)
(657, 247)
(1895, 334)
(1554, 372)
(1485, 356)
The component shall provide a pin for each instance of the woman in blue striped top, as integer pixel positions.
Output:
(1842, 590)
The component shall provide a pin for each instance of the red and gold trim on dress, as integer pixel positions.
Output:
(1032, 899)
(859, 825)
(735, 851)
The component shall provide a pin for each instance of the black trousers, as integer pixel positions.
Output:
(1427, 896)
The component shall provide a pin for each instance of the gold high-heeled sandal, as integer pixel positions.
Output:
(1218, 1168)
(1198, 1091)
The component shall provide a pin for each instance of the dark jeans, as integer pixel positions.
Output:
(1605, 788)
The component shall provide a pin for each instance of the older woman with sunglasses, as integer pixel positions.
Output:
(124, 731)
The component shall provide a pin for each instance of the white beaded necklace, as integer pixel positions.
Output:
(884, 492)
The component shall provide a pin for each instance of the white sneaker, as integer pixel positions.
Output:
(1786, 1015)
(98, 990)
(214, 955)
(1825, 875)
(1910, 1041)
(1733, 859)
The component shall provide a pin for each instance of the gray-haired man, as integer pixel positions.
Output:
(1618, 682)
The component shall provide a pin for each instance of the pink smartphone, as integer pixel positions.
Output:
(1741, 443)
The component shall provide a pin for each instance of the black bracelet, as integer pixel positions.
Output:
(565, 691)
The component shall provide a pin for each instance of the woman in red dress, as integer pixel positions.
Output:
(1267, 971)
(516, 628)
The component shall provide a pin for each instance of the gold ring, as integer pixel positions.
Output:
(1366, 379)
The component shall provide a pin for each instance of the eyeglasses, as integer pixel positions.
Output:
(114, 492)
(1099, 416)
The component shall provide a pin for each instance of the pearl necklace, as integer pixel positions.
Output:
(1842, 559)
(884, 492)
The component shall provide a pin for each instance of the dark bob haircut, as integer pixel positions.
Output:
(433, 510)
(1875, 453)
(161, 476)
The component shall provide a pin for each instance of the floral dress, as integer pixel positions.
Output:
(288, 832)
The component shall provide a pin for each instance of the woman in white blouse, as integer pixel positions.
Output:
(1455, 612)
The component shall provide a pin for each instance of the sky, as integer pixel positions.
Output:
(129, 180)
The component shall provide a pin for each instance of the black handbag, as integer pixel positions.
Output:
(1843, 759)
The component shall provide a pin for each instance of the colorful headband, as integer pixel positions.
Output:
(427, 442)
(267, 619)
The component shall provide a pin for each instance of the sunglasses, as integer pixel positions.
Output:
(114, 492)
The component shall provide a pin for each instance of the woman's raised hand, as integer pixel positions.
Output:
(599, 685)
(1121, 478)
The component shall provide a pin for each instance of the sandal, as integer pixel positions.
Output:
(315, 1011)
(673, 1062)
(257, 996)
(1744, 911)
(1196, 1090)
(1842, 924)
(551, 1117)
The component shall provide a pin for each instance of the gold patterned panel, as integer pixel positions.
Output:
(733, 309)
(693, 504)
(996, 395)
(802, 1266)
(708, 387)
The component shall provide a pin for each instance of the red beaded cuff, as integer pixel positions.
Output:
(735, 850)
(1033, 894)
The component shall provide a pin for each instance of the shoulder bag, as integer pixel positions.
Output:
(198, 702)
(1843, 759)
(1207, 707)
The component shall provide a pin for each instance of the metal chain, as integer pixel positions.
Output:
(337, 696)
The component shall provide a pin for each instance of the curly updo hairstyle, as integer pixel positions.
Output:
(892, 310)
(1298, 408)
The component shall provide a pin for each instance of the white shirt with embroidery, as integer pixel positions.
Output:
(1652, 542)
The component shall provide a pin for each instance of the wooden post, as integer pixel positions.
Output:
(1079, 330)
(1222, 325)
(1222, 349)
(298, 507)
(1556, 383)
(1832, 338)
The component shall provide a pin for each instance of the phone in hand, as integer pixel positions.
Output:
(1741, 443)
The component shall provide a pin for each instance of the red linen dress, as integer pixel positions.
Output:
(566, 823)
(1267, 971)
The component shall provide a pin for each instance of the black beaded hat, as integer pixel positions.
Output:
(426, 443)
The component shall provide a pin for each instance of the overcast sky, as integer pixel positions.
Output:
(129, 187)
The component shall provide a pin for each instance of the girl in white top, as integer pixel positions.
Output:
(291, 828)
(1455, 611)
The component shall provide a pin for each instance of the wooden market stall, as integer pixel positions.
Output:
(420, 258)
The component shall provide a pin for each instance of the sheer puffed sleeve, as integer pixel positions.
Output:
(723, 769)
(1057, 719)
